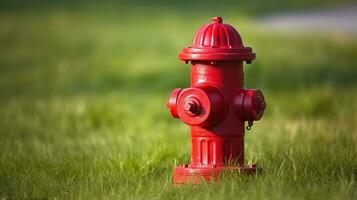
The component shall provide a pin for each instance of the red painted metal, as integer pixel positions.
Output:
(216, 106)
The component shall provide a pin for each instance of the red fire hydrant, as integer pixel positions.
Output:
(216, 106)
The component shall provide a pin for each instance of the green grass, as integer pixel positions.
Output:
(82, 102)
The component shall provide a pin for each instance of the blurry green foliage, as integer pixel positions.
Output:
(83, 87)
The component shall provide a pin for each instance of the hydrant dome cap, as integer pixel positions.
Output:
(217, 41)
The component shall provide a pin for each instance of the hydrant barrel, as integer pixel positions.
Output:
(216, 105)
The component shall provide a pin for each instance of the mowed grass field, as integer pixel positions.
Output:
(83, 113)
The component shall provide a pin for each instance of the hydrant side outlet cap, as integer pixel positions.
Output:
(217, 41)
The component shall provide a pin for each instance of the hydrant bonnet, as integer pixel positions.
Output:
(217, 41)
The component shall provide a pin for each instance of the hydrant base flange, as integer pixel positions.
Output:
(186, 174)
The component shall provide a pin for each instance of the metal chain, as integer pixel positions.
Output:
(249, 126)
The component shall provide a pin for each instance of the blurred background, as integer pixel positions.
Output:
(83, 86)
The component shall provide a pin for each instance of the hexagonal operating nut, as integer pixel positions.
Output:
(192, 106)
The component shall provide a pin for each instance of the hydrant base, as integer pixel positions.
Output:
(186, 174)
